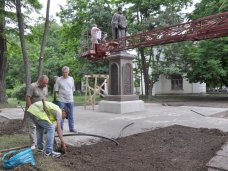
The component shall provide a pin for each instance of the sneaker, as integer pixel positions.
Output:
(33, 147)
(74, 130)
(53, 154)
(40, 150)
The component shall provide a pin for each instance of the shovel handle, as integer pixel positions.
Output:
(45, 108)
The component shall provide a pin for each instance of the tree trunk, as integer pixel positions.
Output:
(145, 72)
(150, 92)
(3, 58)
(23, 46)
(46, 30)
(141, 75)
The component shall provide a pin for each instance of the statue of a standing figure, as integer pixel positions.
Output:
(95, 35)
(119, 24)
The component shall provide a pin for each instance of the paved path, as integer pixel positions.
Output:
(12, 113)
(154, 116)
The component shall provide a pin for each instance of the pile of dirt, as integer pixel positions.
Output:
(174, 148)
(11, 126)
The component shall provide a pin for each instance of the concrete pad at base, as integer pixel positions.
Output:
(218, 163)
(120, 107)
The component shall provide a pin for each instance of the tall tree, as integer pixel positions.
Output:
(208, 59)
(23, 45)
(3, 58)
(43, 43)
(145, 16)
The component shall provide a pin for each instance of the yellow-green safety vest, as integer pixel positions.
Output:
(37, 110)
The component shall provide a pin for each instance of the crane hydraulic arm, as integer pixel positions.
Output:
(203, 28)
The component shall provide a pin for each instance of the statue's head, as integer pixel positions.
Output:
(94, 25)
(120, 10)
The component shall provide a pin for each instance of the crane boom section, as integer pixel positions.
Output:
(209, 27)
(203, 28)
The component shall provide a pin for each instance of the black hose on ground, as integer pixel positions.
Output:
(99, 136)
(198, 113)
(121, 131)
(92, 135)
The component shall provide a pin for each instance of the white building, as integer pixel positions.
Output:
(174, 85)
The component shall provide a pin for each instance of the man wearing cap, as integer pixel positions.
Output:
(47, 116)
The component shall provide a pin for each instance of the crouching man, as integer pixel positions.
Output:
(47, 116)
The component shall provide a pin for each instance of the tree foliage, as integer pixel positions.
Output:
(208, 59)
(77, 21)
(204, 61)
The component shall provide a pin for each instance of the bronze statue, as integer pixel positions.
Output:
(119, 24)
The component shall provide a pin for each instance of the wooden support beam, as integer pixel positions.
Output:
(93, 90)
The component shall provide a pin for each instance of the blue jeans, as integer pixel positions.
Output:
(70, 115)
(55, 102)
(41, 125)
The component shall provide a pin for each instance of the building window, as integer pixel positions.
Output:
(176, 82)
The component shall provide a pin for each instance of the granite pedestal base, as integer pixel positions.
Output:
(120, 107)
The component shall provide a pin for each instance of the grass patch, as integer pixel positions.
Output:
(80, 100)
(42, 162)
(13, 102)
(10, 141)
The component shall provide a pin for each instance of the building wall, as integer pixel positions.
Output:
(163, 86)
(199, 87)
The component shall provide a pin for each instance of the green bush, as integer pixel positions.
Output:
(9, 93)
(78, 93)
(137, 83)
(19, 92)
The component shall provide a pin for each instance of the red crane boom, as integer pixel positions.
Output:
(200, 29)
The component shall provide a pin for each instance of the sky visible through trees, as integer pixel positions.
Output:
(56, 3)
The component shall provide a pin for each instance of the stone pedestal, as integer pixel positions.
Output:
(120, 107)
(121, 98)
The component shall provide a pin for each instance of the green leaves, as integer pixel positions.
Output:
(208, 62)
(209, 59)
(223, 5)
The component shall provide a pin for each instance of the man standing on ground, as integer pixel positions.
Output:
(55, 94)
(36, 92)
(65, 88)
(47, 116)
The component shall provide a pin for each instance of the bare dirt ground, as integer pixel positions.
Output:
(174, 148)
(10, 127)
(167, 149)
